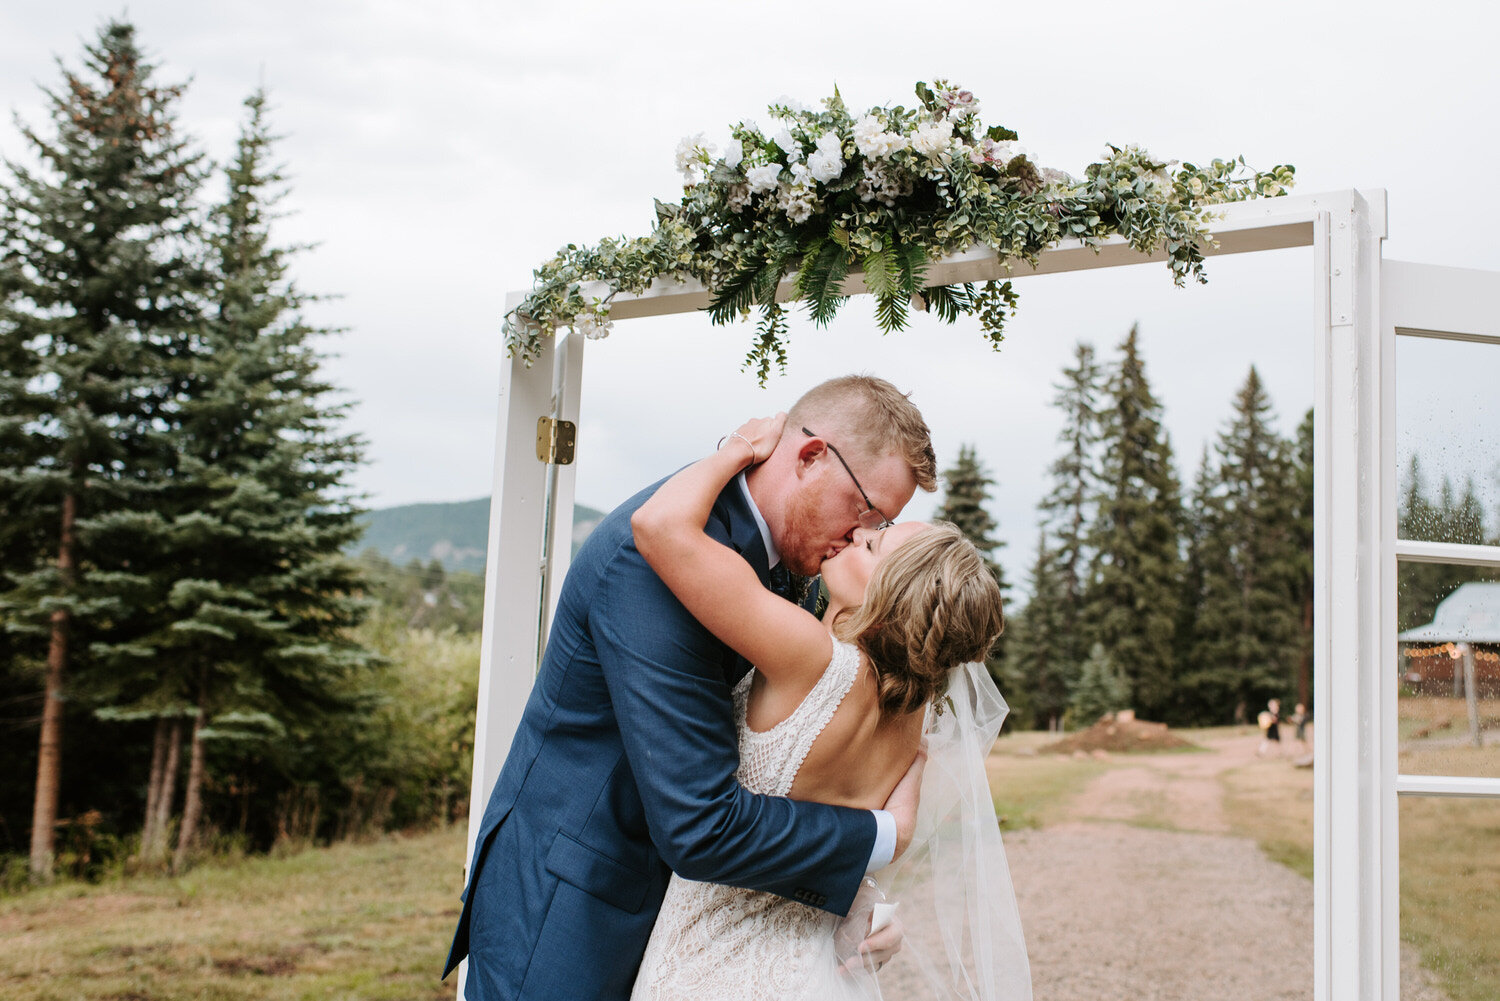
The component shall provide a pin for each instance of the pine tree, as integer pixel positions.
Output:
(1101, 688)
(1132, 597)
(1449, 517)
(1249, 633)
(1195, 529)
(1068, 508)
(1303, 541)
(965, 492)
(263, 596)
(98, 285)
(1037, 651)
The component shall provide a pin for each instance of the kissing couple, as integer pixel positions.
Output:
(707, 775)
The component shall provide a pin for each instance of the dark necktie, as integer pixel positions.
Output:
(782, 584)
(785, 584)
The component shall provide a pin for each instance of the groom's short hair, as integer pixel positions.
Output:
(866, 417)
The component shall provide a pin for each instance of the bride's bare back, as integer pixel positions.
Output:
(860, 755)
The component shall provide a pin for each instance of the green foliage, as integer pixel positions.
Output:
(1067, 511)
(1040, 640)
(1248, 628)
(421, 596)
(99, 284)
(1101, 688)
(1443, 516)
(1132, 596)
(890, 191)
(158, 377)
(965, 492)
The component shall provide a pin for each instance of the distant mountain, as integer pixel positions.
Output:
(456, 533)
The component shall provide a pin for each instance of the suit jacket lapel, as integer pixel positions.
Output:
(744, 533)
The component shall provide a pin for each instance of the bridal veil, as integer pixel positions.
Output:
(952, 885)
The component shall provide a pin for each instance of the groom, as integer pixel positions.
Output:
(623, 767)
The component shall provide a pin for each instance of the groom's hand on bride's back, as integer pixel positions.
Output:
(902, 803)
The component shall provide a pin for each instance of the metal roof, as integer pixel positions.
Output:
(1470, 614)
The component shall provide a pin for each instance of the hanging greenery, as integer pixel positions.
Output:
(826, 195)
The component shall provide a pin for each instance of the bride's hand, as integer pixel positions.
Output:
(903, 801)
(761, 434)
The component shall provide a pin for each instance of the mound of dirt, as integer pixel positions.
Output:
(1116, 733)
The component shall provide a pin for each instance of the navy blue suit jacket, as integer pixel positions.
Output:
(622, 770)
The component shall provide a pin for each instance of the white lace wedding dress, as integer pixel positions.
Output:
(732, 944)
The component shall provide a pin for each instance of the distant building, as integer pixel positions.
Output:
(1434, 653)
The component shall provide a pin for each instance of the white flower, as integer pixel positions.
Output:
(737, 196)
(788, 145)
(998, 153)
(825, 166)
(932, 139)
(797, 201)
(883, 184)
(592, 325)
(734, 152)
(800, 173)
(873, 142)
(829, 144)
(1060, 178)
(763, 178)
(690, 156)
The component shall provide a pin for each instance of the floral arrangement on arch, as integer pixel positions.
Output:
(826, 195)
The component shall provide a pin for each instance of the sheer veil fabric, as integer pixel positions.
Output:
(952, 886)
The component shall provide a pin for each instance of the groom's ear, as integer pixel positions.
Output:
(808, 453)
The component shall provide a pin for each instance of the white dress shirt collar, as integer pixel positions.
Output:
(773, 555)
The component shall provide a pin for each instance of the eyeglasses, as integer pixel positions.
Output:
(871, 518)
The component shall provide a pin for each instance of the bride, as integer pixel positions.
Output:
(836, 711)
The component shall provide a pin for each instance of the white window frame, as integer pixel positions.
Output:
(1354, 803)
(1443, 303)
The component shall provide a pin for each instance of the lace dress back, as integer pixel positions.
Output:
(725, 942)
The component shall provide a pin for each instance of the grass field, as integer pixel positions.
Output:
(1031, 789)
(366, 921)
(1450, 876)
(372, 921)
(1450, 849)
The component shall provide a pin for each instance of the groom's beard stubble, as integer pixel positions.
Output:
(804, 544)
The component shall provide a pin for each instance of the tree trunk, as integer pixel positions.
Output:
(1304, 669)
(192, 805)
(49, 745)
(153, 787)
(158, 847)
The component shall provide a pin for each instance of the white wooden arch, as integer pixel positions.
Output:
(1356, 781)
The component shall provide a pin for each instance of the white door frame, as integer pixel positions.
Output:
(1422, 300)
(1354, 561)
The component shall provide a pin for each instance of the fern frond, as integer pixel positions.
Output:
(891, 311)
(950, 302)
(736, 295)
(820, 278)
(880, 273)
(912, 261)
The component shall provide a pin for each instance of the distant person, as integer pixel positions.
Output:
(1270, 728)
(1299, 720)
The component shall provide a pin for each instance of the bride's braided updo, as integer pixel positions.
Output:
(930, 606)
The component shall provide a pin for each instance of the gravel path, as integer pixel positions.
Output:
(1115, 912)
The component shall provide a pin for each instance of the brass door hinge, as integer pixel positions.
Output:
(555, 440)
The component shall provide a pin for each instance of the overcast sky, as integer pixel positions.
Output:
(442, 150)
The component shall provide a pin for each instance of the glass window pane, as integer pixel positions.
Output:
(1447, 440)
(1450, 898)
(1448, 711)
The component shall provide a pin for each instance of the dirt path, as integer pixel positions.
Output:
(1177, 910)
